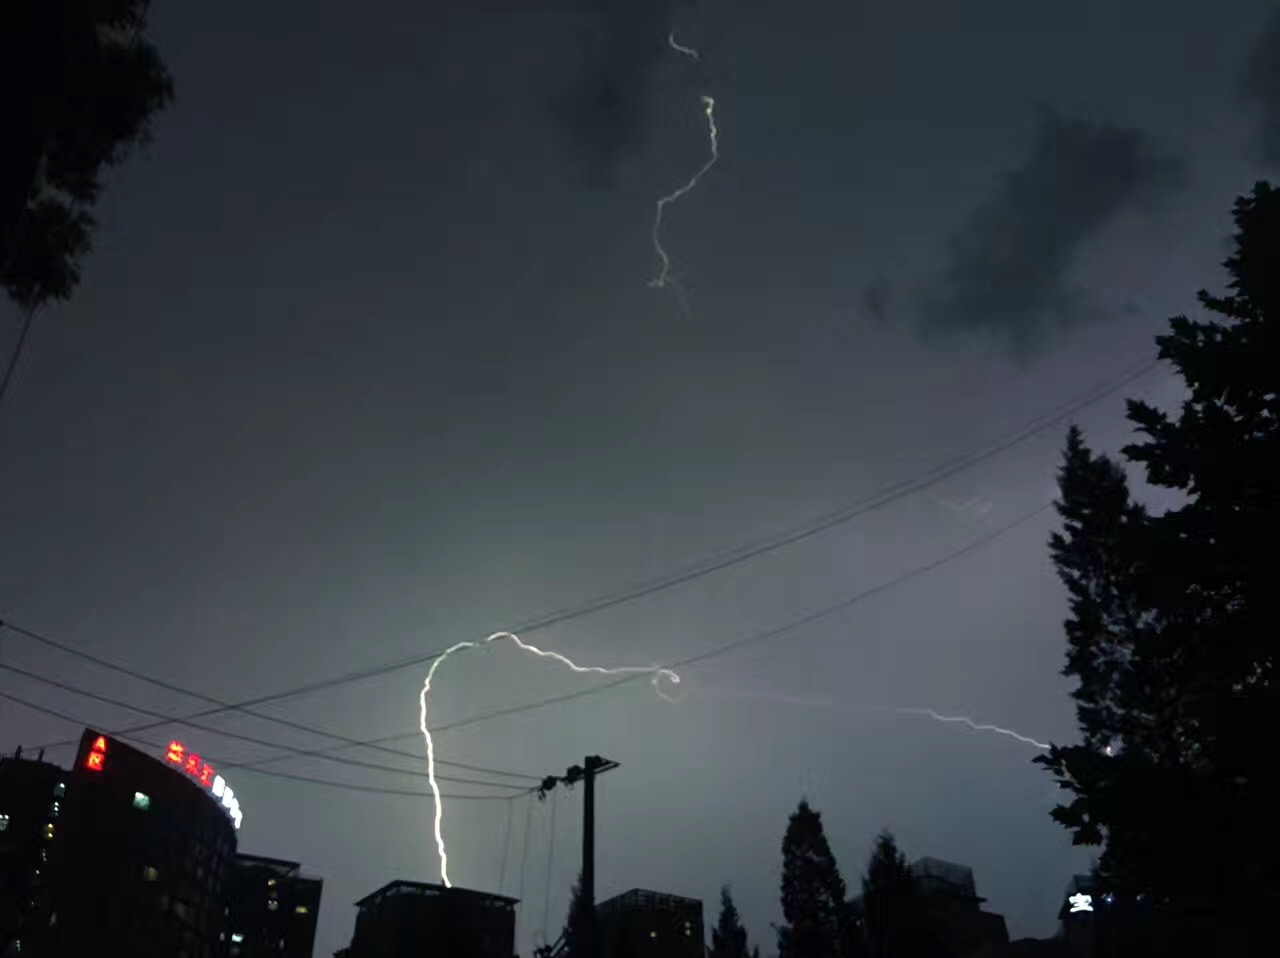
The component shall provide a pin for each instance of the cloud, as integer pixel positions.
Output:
(604, 114)
(876, 297)
(1007, 272)
(1262, 86)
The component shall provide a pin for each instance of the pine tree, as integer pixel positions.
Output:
(813, 893)
(578, 915)
(728, 938)
(1174, 616)
(894, 918)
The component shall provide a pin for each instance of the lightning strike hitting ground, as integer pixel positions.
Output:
(713, 136)
(658, 673)
(899, 710)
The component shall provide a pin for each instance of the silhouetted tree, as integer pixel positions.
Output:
(894, 922)
(813, 893)
(728, 938)
(578, 915)
(78, 89)
(1174, 618)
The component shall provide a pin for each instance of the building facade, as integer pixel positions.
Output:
(141, 858)
(649, 924)
(121, 854)
(272, 908)
(32, 794)
(407, 919)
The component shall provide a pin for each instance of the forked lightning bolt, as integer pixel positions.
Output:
(713, 136)
(659, 674)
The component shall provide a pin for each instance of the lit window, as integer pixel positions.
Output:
(44, 854)
(59, 790)
(54, 810)
(300, 910)
(48, 831)
(237, 937)
(271, 883)
(150, 873)
(141, 801)
(653, 934)
(272, 905)
(4, 823)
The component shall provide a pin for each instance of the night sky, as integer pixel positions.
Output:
(366, 363)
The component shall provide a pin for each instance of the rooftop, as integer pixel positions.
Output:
(417, 889)
(644, 898)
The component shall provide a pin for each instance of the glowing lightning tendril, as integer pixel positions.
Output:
(900, 710)
(713, 136)
(658, 675)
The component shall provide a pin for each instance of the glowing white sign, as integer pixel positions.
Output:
(201, 770)
(1080, 902)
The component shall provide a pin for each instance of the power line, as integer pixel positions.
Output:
(551, 856)
(524, 850)
(753, 638)
(77, 690)
(689, 573)
(506, 851)
(267, 773)
(287, 723)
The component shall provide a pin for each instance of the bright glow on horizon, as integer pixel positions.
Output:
(658, 673)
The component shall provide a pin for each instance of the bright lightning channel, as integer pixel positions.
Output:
(713, 136)
(658, 675)
(900, 710)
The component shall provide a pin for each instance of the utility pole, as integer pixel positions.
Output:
(592, 765)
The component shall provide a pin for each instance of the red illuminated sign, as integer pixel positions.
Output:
(97, 757)
(191, 763)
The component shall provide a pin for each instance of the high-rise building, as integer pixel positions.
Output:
(650, 924)
(142, 855)
(406, 919)
(273, 908)
(133, 853)
(32, 794)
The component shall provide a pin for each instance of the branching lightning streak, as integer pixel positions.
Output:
(658, 675)
(713, 137)
(899, 710)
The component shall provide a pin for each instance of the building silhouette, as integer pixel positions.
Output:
(650, 924)
(272, 908)
(954, 912)
(404, 918)
(31, 797)
(122, 854)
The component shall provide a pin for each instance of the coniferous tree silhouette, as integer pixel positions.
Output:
(814, 909)
(78, 88)
(728, 937)
(894, 922)
(1174, 618)
(574, 921)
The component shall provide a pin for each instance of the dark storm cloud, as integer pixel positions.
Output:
(604, 115)
(1007, 271)
(1262, 85)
